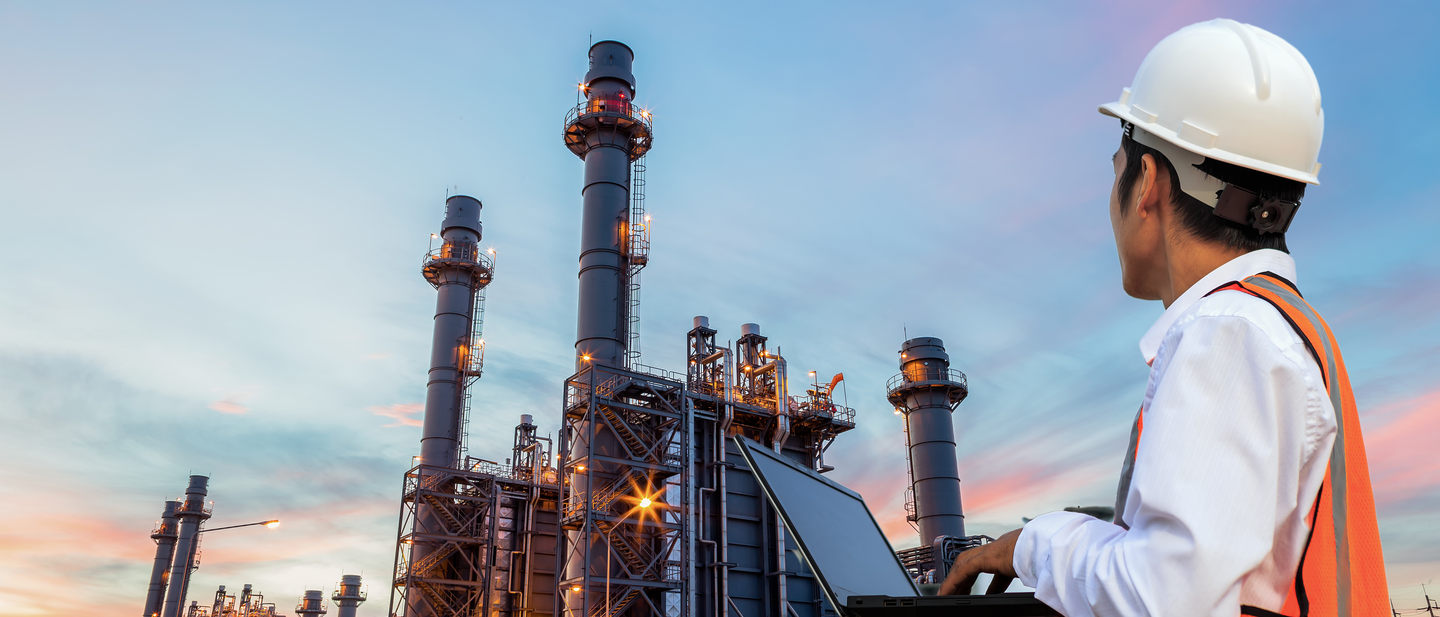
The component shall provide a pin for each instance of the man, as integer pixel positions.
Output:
(1245, 490)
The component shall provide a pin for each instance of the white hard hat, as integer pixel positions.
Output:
(1231, 92)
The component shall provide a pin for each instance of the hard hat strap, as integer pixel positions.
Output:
(1193, 182)
(1243, 206)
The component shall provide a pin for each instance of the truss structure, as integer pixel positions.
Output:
(487, 533)
(624, 447)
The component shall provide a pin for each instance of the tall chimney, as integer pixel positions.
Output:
(459, 270)
(192, 515)
(926, 392)
(311, 604)
(608, 131)
(164, 537)
(348, 595)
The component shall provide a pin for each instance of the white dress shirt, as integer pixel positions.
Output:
(1237, 433)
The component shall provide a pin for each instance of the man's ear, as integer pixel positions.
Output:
(1147, 197)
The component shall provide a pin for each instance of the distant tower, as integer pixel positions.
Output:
(164, 536)
(926, 392)
(192, 515)
(460, 270)
(312, 603)
(348, 595)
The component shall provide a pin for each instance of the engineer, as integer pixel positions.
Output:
(1245, 489)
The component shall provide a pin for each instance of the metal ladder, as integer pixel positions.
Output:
(637, 256)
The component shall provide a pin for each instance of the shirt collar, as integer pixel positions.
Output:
(1244, 266)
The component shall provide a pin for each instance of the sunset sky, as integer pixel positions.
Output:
(213, 216)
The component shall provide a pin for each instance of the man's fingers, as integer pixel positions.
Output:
(955, 582)
(999, 584)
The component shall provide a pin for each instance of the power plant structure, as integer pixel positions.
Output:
(177, 556)
(641, 506)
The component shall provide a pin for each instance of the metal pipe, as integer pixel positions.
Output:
(927, 392)
(192, 515)
(164, 537)
(348, 595)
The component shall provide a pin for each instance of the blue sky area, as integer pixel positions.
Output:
(213, 216)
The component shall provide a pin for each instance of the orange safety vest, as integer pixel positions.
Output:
(1342, 568)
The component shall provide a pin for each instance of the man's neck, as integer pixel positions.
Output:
(1188, 261)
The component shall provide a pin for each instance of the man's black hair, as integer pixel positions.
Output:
(1199, 219)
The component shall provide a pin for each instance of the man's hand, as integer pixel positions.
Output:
(997, 558)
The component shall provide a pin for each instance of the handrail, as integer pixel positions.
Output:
(459, 251)
(616, 112)
(925, 374)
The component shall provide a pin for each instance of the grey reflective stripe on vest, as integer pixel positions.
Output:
(1337, 452)
(1127, 470)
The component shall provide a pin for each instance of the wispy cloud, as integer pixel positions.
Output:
(230, 404)
(402, 413)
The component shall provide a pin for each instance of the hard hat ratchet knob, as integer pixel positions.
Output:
(1268, 215)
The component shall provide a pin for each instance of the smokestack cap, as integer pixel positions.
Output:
(462, 211)
(702, 321)
(611, 59)
(749, 328)
(350, 579)
(527, 419)
(923, 348)
(314, 594)
(197, 485)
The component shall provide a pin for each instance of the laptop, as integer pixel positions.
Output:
(839, 539)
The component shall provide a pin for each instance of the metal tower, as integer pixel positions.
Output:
(311, 604)
(608, 131)
(460, 270)
(436, 566)
(348, 595)
(192, 515)
(625, 440)
(164, 536)
(926, 392)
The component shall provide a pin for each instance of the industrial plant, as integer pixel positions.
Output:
(642, 505)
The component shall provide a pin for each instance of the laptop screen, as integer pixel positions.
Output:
(835, 531)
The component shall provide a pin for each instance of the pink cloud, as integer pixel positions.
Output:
(230, 404)
(402, 413)
(1401, 453)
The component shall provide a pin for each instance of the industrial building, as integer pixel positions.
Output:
(641, 506)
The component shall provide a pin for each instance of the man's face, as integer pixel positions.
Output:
(1127, 233)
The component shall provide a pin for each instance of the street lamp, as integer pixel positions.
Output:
(271, 524)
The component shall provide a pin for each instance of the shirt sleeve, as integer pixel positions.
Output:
(1203, 497)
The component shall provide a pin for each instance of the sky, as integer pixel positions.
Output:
(212, 217)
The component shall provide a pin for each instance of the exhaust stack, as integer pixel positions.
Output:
(926, 392)
(348, 595)
(192, 515)
(164, 536)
